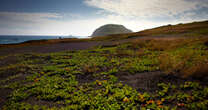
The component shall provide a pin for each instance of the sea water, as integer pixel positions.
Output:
(8, 39)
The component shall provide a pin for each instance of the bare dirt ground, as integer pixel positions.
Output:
(49, 48)
(147, 81)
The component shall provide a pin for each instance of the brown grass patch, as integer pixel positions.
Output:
(188, 62)
(159, 44)
(90, 68)
(176, 29)
(199, 71)
(179, 66)
(169, 64)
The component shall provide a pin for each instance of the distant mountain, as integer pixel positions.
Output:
(110, 29)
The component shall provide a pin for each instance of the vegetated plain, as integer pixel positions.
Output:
(163, 73)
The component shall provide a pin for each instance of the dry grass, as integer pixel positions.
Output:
(176, 29)
(188, 62)
(44, 42)
(90, 68)
(180, 68)
(114, 37)
(199, 70)
(170, 64)
(159, 44)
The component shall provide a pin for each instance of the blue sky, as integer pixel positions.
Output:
(82, 17)
(52, 6)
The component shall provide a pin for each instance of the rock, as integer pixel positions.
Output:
(110, 29)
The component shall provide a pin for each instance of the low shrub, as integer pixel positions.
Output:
(199, 70)
(185, 63)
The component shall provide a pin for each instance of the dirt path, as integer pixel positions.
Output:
(49, 48)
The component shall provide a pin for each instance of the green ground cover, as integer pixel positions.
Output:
(88, 79)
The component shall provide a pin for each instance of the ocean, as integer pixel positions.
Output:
(8, 39)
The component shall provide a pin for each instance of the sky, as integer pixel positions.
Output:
(82, 17)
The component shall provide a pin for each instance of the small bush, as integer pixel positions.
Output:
(185, 63)
(169, 64)
(197, 71)
(90, 68)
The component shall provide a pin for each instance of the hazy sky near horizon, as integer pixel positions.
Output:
(82, 17)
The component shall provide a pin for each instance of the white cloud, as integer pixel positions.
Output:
(47, 24)
(35, 17)
(43, 24)
(147, 8)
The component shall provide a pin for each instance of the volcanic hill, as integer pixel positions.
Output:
(110, 29)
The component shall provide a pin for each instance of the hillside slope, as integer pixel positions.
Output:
(195, 29)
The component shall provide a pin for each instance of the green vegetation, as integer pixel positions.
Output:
(89, 79)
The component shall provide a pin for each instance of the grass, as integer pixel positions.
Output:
(187, 61)
(89, 79)
(44, 42)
